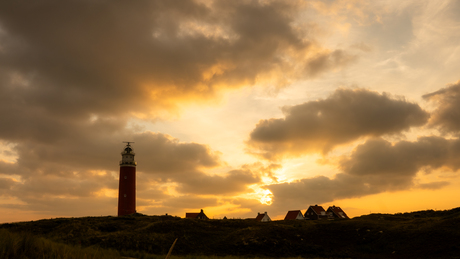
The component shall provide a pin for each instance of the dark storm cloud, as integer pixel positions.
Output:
(373, 167)
(446, 116)
(87, 57)
(346, 115)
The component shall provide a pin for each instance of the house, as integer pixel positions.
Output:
(263, 217)
(336, 213)
(199, 215)
(294, 214)
(316, 212)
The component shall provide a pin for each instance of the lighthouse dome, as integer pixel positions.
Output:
(128, 151)
(127, 156)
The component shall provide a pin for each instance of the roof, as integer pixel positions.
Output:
(318, 209)
(292, 214)
(191, 215)
(338, 212)
(260, 216)
(196, 215)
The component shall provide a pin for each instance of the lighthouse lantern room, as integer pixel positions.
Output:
(127, 182)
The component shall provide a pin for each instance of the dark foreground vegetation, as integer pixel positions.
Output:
(424, 234)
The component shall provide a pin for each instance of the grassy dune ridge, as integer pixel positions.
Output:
(424, 234)
(26, 245)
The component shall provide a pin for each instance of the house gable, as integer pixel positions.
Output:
(263, 217)
(294, 214)
(337, 212)
(315, 212)
(195, 215)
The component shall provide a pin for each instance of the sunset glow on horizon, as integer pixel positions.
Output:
(234, 107)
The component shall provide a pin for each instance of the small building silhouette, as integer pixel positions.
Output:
(316, 212)
(294, 214)
(336, 213)
(263, 217)
(196, 215)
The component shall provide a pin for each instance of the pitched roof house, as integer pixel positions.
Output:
(263, 217)
(193, 215)
(337, 212)
(294, 214)
(316, 212)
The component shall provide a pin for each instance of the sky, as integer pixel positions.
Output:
(234, 107)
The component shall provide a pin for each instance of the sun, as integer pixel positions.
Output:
(266, 198)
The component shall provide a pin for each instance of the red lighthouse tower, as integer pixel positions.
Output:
(127, 185)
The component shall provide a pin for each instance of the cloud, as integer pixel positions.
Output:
(190, 202)
(79, 186)
(236, 181)
(433, 185)
(5, 185)
(446, 116)
(68, 207)
(73, 74)
(93, 148)
(329, 61)
(163, 154)
(87, 166)
(404, 158)
(248, 208)
(373, 167)
(109, 58)
(345, 116)
(180, 205)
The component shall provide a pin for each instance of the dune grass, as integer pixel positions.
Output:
(151, 256)
(423, 234)
(25, 245)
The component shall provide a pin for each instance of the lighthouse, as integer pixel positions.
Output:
(127, 182)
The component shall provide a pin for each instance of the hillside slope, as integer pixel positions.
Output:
(425, 234)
